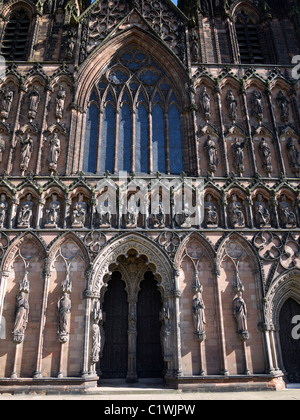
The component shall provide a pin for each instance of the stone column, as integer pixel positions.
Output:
(276, 137)
(3, 282)
(47, 277)
(132, 335)
(222, 141)
(49, 90)
(177, 325)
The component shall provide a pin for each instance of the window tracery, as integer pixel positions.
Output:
(135, 124)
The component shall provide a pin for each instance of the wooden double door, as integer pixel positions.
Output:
(289, 340)
(132, 347)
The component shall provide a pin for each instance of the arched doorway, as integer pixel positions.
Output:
(115, 353)
(290, 347)
(149, 352)
(132, 348)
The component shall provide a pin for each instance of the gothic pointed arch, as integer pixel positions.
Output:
(136, 122)
(16, 245)
(285, 286)
(121, 247)
(66, 237)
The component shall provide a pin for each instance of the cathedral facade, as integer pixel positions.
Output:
(149, 193)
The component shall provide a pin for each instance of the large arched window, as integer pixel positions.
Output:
(248, 39)
(15, 40)
(139, 119)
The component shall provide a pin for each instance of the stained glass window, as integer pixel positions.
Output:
(139, 110)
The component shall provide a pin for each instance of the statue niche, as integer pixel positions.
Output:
(211, 218)
(3, 210)
(26, 213)
(235, 213)
(286, 216)
(79, 212)
(53, 213)
(261, 213)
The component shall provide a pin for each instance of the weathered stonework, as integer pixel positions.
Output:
(222, 281)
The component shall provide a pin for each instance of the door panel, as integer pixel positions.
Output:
(149, 354)
(290, 347)
(115, 354)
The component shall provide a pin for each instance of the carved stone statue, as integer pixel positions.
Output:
(2, 148)
(60, 103)
(7, 99)
(26, 213)
(283, 105)
(184, 218)
(257, 105)
(205, 104)
(166, 331)
(53, 213)
(261, 213)
(212, 154)
(211, 218)
(231, 105)
(96, 343)
(105, 214)
(79, 212)
(238, 156)
(54, 152)
(132, 212)
(159, 216)
(287, 217)
(64, 309)
(266, 156)
(240, 315)
(293, 156)
(71, 44)
(236, 216)
(3, 210)
(26, 152)
(34, 101)
(21, 317)
(199, 316)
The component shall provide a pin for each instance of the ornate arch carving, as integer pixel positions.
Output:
(15, 247)
(286, 286)
(121, 246)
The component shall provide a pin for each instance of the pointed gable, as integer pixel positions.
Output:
(105, 18)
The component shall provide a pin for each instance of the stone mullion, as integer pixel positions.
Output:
(117, 130)
(47, 277)
(82, 128)
(167, 142)
(49, 90)
(233, 42)
(100, 127)
(34, 37)
(277, 141)
(133, 140)
(150, 142)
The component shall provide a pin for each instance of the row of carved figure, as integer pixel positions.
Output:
(34, 101)
(64, 306)
(237, 215)
(238, 153)
(239, 311)
(256, 101)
